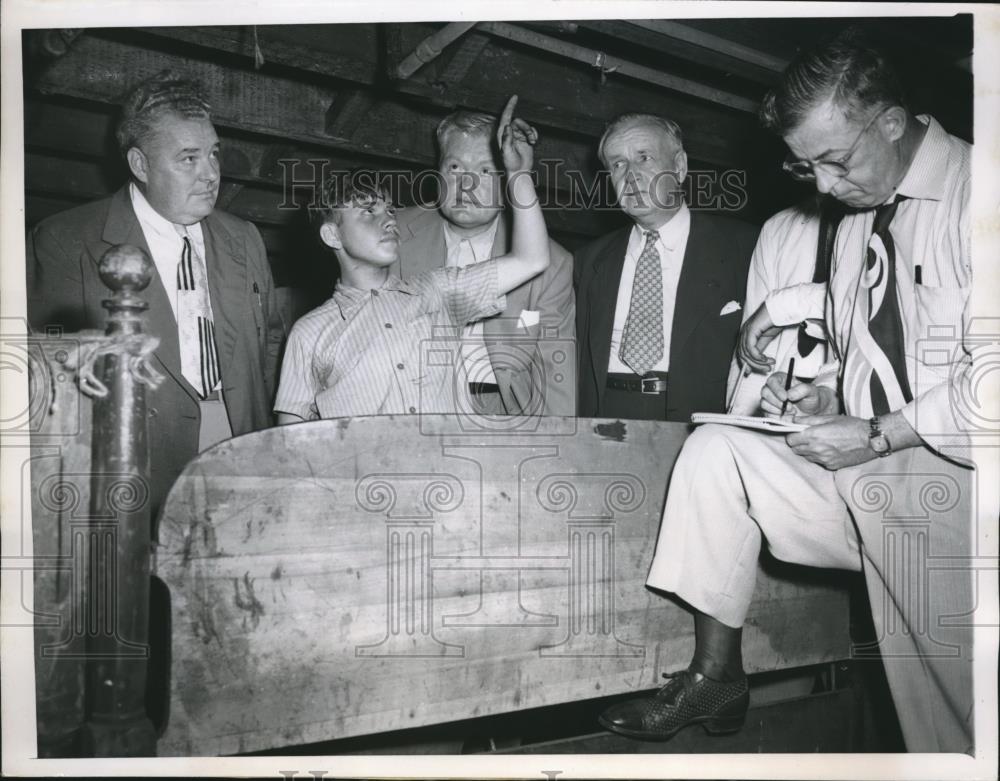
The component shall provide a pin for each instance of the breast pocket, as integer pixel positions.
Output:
(941, 309)
(940, 323)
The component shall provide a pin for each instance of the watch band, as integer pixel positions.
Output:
(875, 433)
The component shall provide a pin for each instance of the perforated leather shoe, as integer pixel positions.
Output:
(687, 698)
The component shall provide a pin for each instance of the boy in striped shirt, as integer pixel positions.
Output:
(384, 346)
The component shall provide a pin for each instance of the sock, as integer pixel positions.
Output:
(718, 649)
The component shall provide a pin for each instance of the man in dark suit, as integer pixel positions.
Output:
(519, 362)
(212, 278)
(658, 303)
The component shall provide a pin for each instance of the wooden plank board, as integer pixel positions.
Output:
(347, 577)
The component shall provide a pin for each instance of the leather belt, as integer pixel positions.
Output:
(652, 383)
(476, 388)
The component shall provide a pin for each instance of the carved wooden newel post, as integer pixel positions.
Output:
(119, 540)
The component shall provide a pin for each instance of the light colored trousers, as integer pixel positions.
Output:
(905, 520)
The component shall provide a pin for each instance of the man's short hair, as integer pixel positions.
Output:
(359, 187)
(166, 92)
(470, 123)
(846, 69)
(668, 126)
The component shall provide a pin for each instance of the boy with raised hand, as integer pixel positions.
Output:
(364, 352)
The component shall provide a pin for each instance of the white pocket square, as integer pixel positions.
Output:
(732, 306)
(528, 318)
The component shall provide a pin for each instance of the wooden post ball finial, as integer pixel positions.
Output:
(126, 268)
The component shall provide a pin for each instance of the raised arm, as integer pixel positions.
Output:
(529, 253)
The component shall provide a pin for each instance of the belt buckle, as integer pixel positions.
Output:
(652, 385)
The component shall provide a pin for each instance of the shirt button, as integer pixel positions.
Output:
(375, 293)
(413, 410)
(399, 366)
(388, 325)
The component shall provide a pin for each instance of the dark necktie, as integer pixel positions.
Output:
(831, 213)
(885, 324)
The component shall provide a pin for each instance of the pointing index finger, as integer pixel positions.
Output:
(508, 112)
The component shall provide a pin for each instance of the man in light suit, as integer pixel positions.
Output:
(887, 422)
(212, 274)
(520, 362)
(658, 302)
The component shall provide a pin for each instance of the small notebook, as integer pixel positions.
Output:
(747, 421)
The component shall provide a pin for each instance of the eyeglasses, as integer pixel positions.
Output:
(805, 170)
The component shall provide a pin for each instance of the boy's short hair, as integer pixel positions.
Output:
(167, 92)
(348, 188)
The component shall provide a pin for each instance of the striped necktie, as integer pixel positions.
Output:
(888, 383)
(195, 326)
(642, 341)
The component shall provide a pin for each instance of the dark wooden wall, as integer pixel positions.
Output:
(328, 92)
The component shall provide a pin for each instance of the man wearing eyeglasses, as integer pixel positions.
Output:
(794, 304)
(872, 483)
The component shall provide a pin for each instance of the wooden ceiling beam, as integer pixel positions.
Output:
(715, 43)
(347, 111)
(608, 64)
(276, 49)
(711, 144)
(102, 70)
(430, 47)
(97, 69)
(465, 57)
(682, 50)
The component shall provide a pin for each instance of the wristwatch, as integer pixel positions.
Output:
(877, 440)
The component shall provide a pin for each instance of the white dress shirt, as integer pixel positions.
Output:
(783, 260)
(672, 242)
(165, 244)
(932, 230)
(464, 252)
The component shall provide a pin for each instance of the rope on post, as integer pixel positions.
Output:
(136, 351)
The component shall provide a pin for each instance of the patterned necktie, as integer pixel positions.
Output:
(888, 383)
(195, 327)
(642, 341)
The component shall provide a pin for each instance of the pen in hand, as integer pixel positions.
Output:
(788, 383)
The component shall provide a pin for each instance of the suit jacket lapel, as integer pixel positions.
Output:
(697, 273)
(122, 227)
(603, 300)
(227, 286)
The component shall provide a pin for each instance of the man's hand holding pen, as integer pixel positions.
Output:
(806, 397)
(832, 440)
